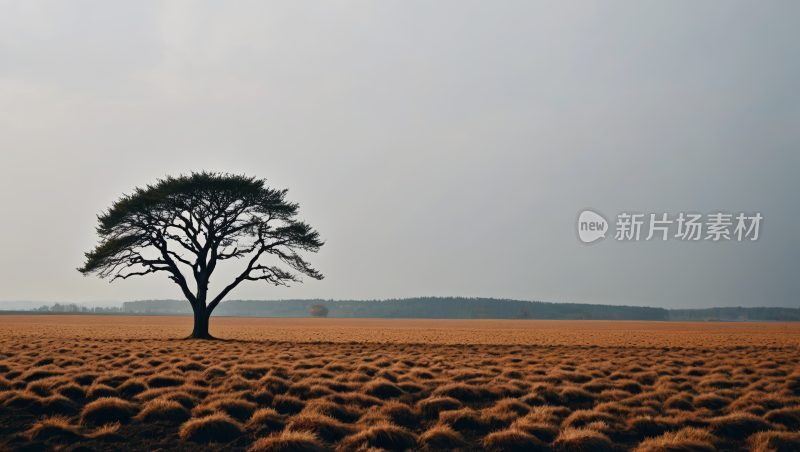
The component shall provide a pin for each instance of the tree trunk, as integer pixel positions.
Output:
(200, 322)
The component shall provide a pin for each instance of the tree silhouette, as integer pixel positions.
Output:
(187, 225)
(319, 310)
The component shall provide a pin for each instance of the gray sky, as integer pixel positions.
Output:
(440, 148)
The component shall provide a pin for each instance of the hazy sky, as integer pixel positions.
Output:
(440, 148)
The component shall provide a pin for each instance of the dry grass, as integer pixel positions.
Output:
(511, 440)
(217, 427)
(430, 408)
(774, 442)
(108, 432)
(442, 437)
(383, 435)
(664, 388)
(163, 410)
(689, 439)
(266, 421)
(289, 442)
(54, 426)
(239, 409)
(109, 409)
(739, 426)
(582, 440)
(326, 428)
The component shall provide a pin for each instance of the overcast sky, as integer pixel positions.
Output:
(440, 148)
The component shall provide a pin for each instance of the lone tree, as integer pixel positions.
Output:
(185, 226)
(319, 310)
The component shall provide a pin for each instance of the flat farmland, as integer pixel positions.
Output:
(403, 331)
(118, 383)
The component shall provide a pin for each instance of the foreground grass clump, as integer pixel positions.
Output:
(383, 435)
(442, 437)
(241, 410)
(334, 410)
(289, 442)
(326, 428)
(511, 440)
(689, 439)
(265, 421)
(58, 404)
(163, 410)
(738, 426)
(107, 433)
(774, 442)
(582, 440)
(287, 404)
(430, 408)
(132, 388)
(108, 409)
(23, 400)
(543, 431)
(54, 426)
(98, 390)
(218, 427)
(465, 419)
(382, 389)
(73, 392)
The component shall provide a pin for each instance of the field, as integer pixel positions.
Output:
(81, 383)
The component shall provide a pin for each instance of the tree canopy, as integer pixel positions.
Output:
(185, 226)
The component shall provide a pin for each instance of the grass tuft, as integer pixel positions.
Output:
(23, 400)
(382, 389)
(107, 433)
(289, 442)
(442, 437)
(54, 426)
(738, 426)
(99, 390)
(582, 440)
(241, 410)
(511, 440)
(382, 435)
(265, 421)
(430, 408)
(546, 433)
(58, 404)
(218, 427)
(328, 429)
(109, 409)
(788, 417)
(689, 439)
(73, 392)
(462, 392)
(287, 404)
(163, 410)
(132, 388)
(774, 442)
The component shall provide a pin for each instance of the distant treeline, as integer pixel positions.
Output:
(736, 314)
(443, 308)
(416, 308)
